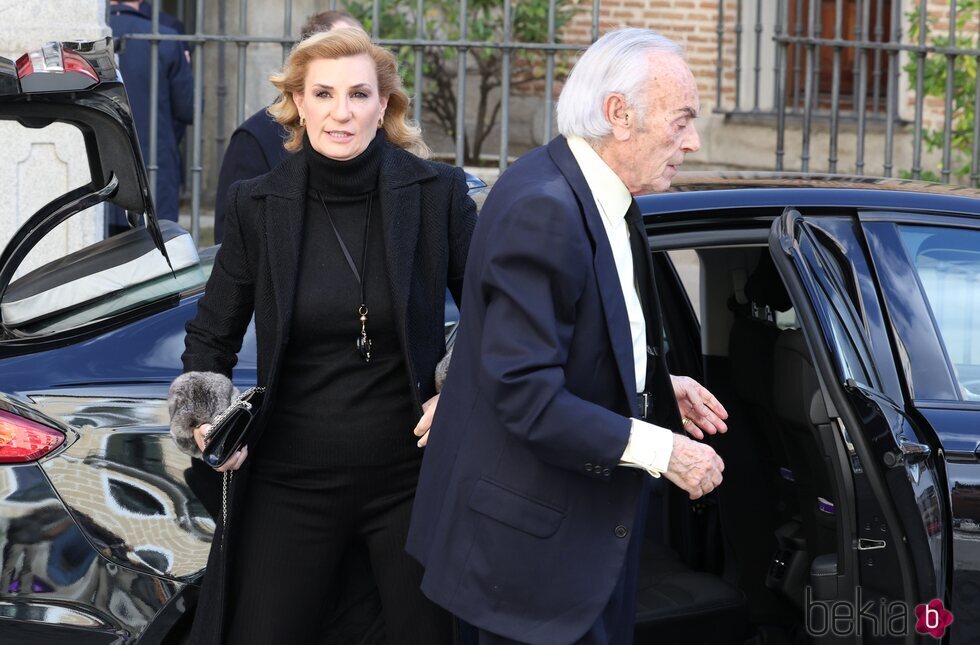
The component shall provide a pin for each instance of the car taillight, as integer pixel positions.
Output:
(23, 440)
(75, 63)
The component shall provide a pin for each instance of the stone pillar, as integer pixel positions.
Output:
(39, 165)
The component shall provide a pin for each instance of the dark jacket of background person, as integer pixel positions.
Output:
(254, 149)
(256, 269)
(174, 101)
(521, 514)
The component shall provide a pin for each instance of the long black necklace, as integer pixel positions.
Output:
(363, 343)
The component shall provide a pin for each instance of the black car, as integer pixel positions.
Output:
(836, 318)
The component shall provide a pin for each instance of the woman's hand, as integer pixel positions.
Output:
(700, 410)
(236, 460)
(422, 428)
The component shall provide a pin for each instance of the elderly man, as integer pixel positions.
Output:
(528, 515)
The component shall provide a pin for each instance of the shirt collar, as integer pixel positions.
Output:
(610, 193)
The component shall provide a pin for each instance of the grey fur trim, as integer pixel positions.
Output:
(442, 369)
(195, 398)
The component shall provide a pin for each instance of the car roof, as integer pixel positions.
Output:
(704, 190)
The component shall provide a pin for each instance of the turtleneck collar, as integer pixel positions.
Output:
(355, 176)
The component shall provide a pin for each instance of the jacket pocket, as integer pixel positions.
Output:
(515, 510)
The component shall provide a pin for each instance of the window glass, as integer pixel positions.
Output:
(688, 267)
(948, 264)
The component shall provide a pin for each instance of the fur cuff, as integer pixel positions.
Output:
(195, 398)
(442, 369)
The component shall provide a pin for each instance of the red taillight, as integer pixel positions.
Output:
(75, 63)
(24, 66)
(22, 440)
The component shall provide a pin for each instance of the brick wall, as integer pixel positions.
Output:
(692, 23)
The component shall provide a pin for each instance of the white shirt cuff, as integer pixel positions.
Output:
(649, 447)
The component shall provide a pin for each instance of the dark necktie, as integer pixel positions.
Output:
(645, 284)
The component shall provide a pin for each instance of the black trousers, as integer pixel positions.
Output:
(297, 525)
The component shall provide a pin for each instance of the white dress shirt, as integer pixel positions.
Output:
(649, 445)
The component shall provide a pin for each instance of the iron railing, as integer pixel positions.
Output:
(798, 37)
(201, 43)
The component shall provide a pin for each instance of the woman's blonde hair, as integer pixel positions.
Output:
(343, 43)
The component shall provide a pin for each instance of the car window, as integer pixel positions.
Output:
(834, 300)
(688, 268)
(948, 265)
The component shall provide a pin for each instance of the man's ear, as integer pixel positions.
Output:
(620, 116)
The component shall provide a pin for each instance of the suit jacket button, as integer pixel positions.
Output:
(605, 472)
(588, 468)
(621, 531)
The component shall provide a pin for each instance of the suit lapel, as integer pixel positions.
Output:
(610, 290)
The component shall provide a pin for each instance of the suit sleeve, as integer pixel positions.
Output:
(215, 335)
(181, 80)
(536, 266)
(462, 221)
(244, 159)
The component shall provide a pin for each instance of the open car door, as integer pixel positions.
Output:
(892, 521)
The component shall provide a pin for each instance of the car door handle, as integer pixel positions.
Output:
(913, 452)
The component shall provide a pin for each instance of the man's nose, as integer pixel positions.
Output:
(692, 142)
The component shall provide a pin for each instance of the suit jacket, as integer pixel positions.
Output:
(428, 219)
(254, 149)
(522, 518)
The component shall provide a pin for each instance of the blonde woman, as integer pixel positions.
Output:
(343, 254)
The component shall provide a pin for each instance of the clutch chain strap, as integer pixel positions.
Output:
(225, 481)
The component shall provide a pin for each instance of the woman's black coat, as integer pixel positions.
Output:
(428, 219)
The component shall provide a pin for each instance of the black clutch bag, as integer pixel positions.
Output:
(233, 428)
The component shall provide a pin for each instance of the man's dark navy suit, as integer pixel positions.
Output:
(524, 523)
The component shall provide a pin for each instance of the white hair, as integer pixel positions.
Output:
(613, 64)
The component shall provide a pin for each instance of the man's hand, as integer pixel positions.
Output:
(694, 467)
(700, 410)
(422, 428)
(236, 460)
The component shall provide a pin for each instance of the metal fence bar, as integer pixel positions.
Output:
(595, 18)
(975, 166)
(719, 66)
(858, 37)
(835, 87)
(287, 28)
(738, 54)
(419, 61)
(797, 56)
(879, 36)
(505, 92)
(197, 132)
(777, 33)
(242, 60)
(549, 76)
(950, 88)
(862, 90)
(222, 90)
(892, 91)
(153, 165)
(782, 56)
(461, 87)
(920, 81)
(376, 20)
(758, 55)
(808, 92)
(818, 37)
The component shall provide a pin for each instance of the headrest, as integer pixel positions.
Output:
(765, 287)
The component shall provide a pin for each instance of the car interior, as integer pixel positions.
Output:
(733, 567)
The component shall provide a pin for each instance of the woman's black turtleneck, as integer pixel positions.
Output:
(332, 408)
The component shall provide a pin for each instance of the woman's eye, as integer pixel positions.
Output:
(360, 95)
(322, 94)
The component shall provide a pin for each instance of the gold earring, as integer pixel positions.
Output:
(302, 121)
(381, 121)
